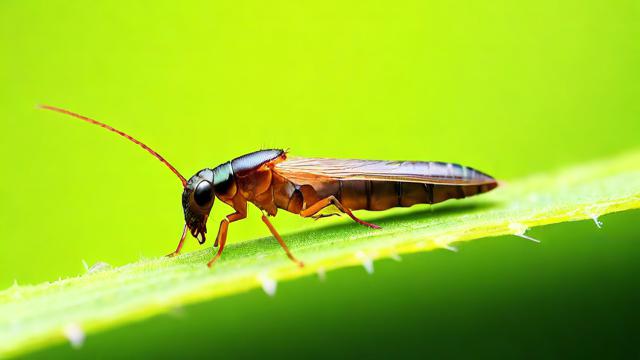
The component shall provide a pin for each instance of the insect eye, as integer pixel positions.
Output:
(203, 193)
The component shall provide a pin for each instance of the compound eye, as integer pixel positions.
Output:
(203, 193)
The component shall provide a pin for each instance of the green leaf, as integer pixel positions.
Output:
(36, 316)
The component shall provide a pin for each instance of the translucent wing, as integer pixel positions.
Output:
(302, 170)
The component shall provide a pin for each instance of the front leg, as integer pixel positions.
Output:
(221, 238)
(184, 235)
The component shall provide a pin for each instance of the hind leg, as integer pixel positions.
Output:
(331, 200)
(320, 216)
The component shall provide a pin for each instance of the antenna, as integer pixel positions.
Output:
(103, 125)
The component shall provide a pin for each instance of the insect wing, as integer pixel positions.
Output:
(315, 169)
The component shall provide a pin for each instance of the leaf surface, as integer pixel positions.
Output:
(35, 316)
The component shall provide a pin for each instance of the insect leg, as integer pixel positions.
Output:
(331, 200)
(221, 238)
(275, 234)
(184, 235)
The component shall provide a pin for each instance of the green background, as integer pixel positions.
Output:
(511, 88)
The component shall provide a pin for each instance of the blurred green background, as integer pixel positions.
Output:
(511, 88)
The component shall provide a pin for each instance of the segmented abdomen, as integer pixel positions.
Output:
(382, 195)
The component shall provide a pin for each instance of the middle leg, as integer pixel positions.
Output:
(221, 238)
(280, 241)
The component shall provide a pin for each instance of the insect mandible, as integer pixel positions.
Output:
(272, 180)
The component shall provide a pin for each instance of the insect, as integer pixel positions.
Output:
(314, 188)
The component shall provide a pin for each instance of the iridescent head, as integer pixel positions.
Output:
(197, 200)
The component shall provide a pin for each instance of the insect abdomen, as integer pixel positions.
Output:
(383, 195)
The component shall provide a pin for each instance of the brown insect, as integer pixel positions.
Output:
(310, 187)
